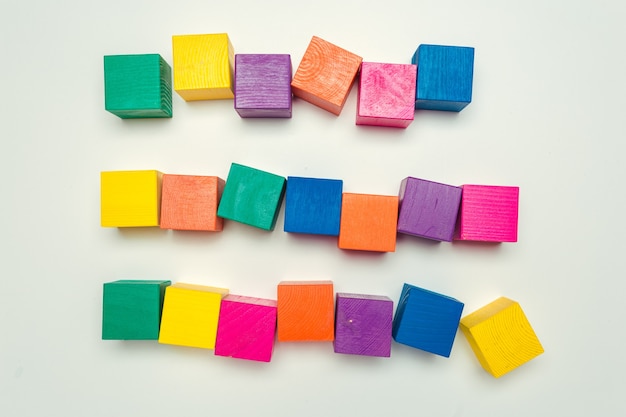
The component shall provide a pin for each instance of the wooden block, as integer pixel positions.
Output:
(246, 329)
(306, 311)
(444, 77)
(190, 315)
(137, 86)
(203, 66)
(501, 336)
(252, 197)
(426, 320)
(363, 325)
(130, 198)
(131, 309)
(368, 222)
(263, 85)
(189, 202)
(325, 75)
(488, 213)
(428, 209)
(313, 206)
(386, 95)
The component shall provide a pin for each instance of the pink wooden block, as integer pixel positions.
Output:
(488, 213)
(386, 95)
(246, 328)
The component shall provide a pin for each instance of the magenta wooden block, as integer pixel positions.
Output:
(386, 94)
(263, 85)
(246, 328)
(428, 209)
(363, 324)
(488, 213)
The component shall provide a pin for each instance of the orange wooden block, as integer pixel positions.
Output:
(189, 202)
(325, 75)
(368, 222)
(306, 311)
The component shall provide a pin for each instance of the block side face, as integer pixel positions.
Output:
(488, 213)
(313, 206)
(132, 83)
(130, 198)
(190, 203)
(368, 222)
(305, 312)
(387, 91)
(262, 84)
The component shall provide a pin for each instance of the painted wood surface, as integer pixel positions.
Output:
(306, 311)
(130, 198)
(313, 206)
(368, 222)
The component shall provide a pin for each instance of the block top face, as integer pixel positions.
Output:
(201, 288)
(387, 90)
(126, 78)
(130, 198)
(322, 282)
(262, 82)
(249, 300)
(363, 296)
(368, 222)
(313, 205)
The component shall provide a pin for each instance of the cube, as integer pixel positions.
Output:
(130, 198)
(313, 206)
(428, 209)
(368, 222)
(190, 315)
(386, 94)
(263, 85)
(444, 77)
(203, 66)
(426, 320)
(306, 311)
(189, 202)
(325, 75)
(252, 197)
(488, 213)
(363, 325)
(246, 328)
(501, 336)
(131, 309)
(137, 86)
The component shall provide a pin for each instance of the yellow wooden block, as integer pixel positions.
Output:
(130, 198)
(203, 66)
(501, 336)
(190, 315)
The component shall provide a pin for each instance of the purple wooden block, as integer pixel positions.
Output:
(428, 209)
(363, 324)
(263, 85)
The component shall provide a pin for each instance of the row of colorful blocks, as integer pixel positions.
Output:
(309, 311)
(205, 67)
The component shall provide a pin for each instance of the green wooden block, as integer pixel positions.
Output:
(252, 197)
(137, 86)
(131, 309)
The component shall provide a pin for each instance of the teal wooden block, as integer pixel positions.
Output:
(138, 86)
(131, 309)
(252, 197)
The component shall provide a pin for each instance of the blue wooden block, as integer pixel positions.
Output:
(313, 206)
(426, 320)
(444, 77)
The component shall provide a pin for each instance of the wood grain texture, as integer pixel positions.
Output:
(325, 75)
(246, 328)
(368, 222)
(131, 309)
(252, 197)
(263, 85)
(426, 320)
(203, 66)
(363, 325)
(428, 209)
(488, 213)
(306, 311)
(313, 206)
(501, 336)
(189, 202)
(190, 315)
(130, 198)
(386, 94)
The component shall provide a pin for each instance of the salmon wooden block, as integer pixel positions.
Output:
(488, 213)
(130, 198)
(189, 202)
(203, 66)
(501, 336)
(325, 75)
(306, 311)
(246, 328)
(313, 206)
(190, 315)
(386, 94)
(368, 222)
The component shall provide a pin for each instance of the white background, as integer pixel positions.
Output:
(547, 115)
